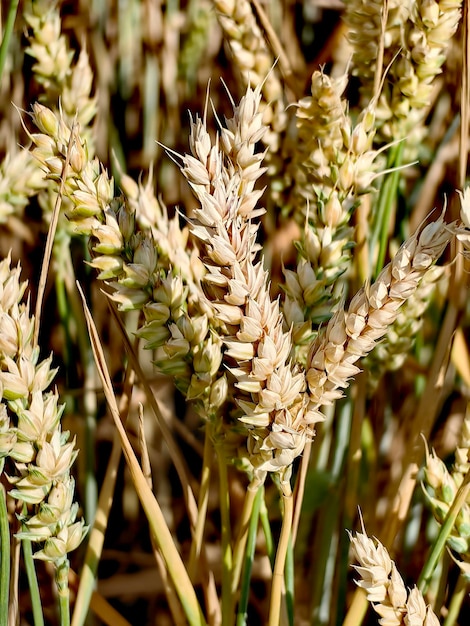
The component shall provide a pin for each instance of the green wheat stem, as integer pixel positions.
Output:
(385, 203)
(245, 521)
(11, 17)
(457, 598)
(249, 556)
(198, 538)
(289, 577)
(62, 582)
(4, 557)
(268, 537)
(31, 575)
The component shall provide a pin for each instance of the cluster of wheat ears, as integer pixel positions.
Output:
(306, 302)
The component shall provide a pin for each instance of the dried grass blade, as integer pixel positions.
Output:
(210, 591)
(157, 523)
(97, 533)
(175, 608)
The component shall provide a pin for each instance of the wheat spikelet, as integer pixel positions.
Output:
(255, 63)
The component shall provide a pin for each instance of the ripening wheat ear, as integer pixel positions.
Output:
(385, 588)
(61, 78)
(34, 452)
(390, 354)
(417, 36)
(334, 165)
(353, 333)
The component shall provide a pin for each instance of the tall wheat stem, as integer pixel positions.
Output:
(249, 556)
(101, 519)
(278, 573)
(4, 557)
(198, 535)
(33, 584)
(12, 10)
(386, 200)
(62, 582)
(240, 544)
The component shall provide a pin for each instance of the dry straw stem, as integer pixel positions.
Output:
(194, 515)
(157, 523)
(97, 533)
(385, 588)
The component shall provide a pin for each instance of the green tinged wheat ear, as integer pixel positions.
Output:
(334, 164)
(138, 265)
(61, 79)
(64, 82)
(440, 488)
(254, 60)
(34, 452)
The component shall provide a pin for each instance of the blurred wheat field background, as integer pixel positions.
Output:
(234, 355)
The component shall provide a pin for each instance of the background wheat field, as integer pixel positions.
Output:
(234, 330)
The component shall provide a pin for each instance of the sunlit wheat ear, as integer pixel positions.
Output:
(353, 333)
(274, 409)
(35, 454)
(385, 588)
